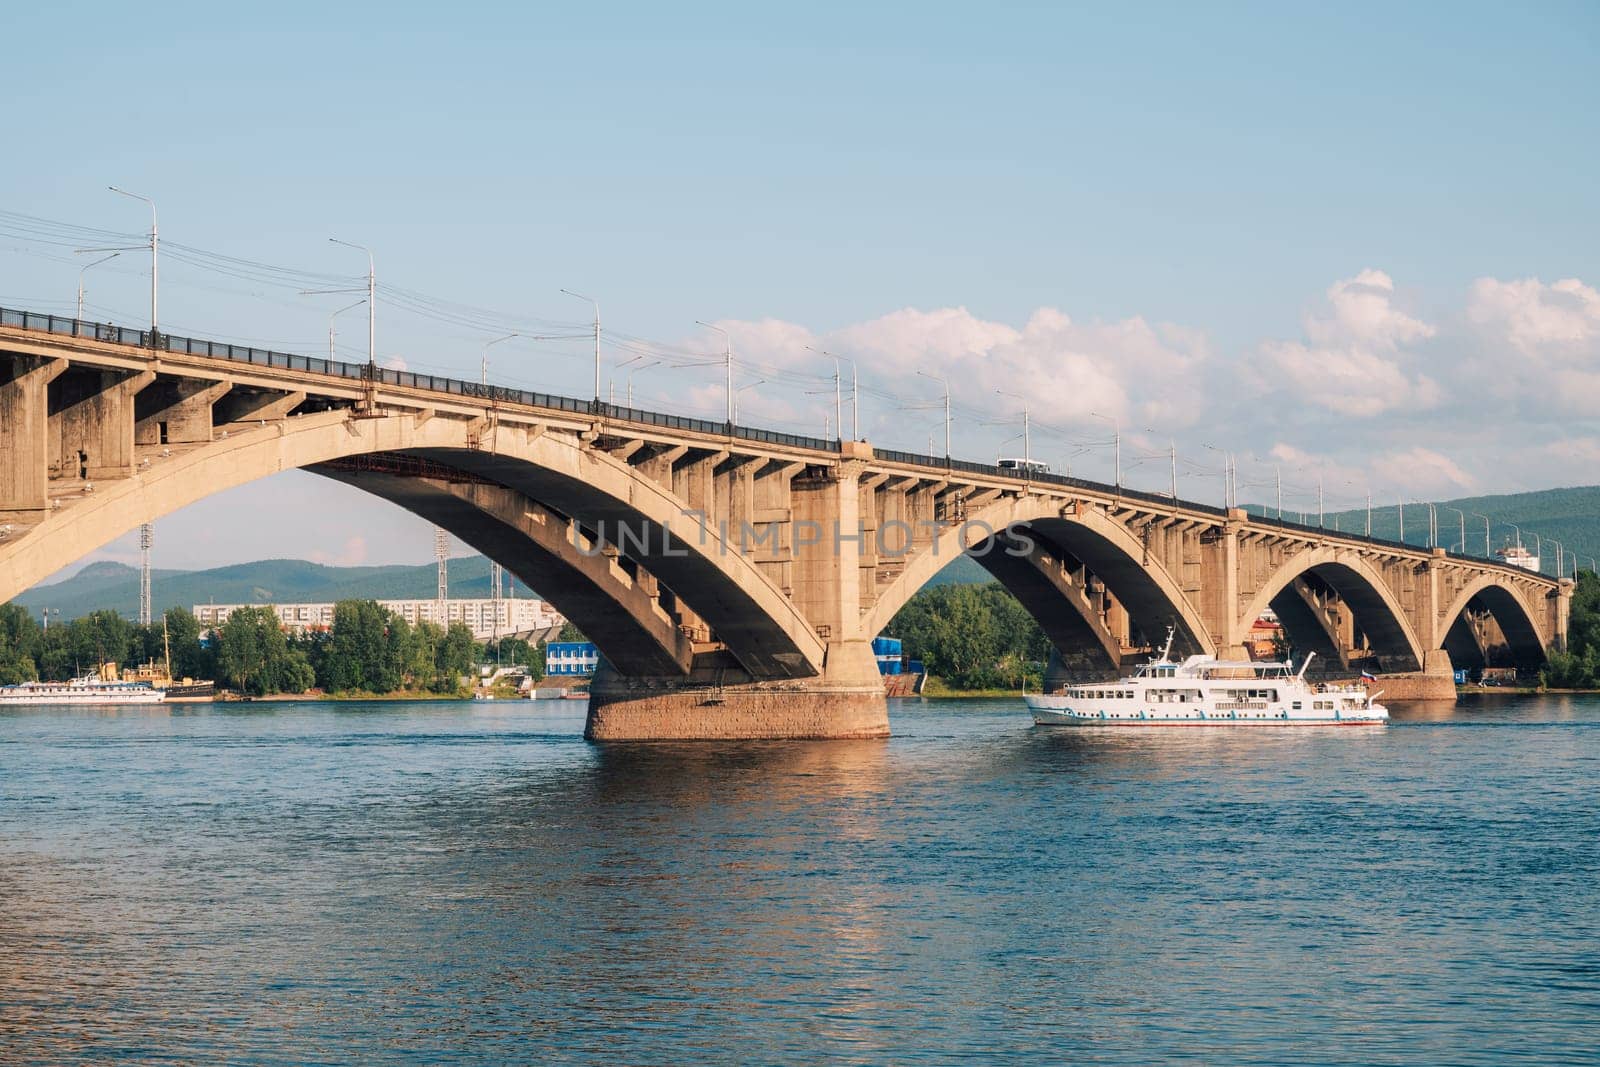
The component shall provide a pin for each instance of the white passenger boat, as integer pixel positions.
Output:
(86, 690)
(1204, 691)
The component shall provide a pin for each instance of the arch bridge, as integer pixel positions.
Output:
(733, 578)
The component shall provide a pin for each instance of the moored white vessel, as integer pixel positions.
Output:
(1205, 691)
(86, 690)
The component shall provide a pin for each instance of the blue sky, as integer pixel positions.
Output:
(1386, 193)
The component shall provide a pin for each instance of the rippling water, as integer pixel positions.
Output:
(471, 883)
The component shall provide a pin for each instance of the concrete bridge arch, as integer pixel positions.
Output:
(769, 637)
(1028, 543)
(1376, 610)
(1515, 618)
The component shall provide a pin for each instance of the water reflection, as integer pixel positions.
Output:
(287, 883)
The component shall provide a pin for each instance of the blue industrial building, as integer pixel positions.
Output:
(570, 657)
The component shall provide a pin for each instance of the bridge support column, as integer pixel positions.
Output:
(1563, 612)
(24, 437)
(1221, 580)
(719, 702)
(91, 423)
(176, 412)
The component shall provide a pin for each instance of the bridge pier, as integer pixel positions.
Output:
(1435, 682)
(24, 433)
(717, 701)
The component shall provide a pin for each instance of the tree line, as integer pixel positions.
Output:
(29, 651)
(1579, 666)
(973, 636)
(367, 649)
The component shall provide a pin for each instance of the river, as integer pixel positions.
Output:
(472, 883)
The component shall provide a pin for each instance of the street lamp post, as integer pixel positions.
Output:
(946, 386)
(336, 314)
(855, 394)
(1227, 479)
(1463, 516)
(736, 392)
(372, 304)
(1116, 441)
(1027, 436)
(155, 256)
(1433, 523)
(81, 270)
(488, 345)
(727, 364)
(596, 304)
(1485, 519)
(636, 370)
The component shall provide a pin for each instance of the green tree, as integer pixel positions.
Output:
(457, 655)
(1571, 670)
(515, 652)
(101, 637)
(254, 655)
(358, 652)
(20, 643)
(972, 636)
(190, 659)
(56, 660)
(421, 666)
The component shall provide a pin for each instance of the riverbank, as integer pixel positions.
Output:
(354, 696)
(1519, 690)
(936, 689)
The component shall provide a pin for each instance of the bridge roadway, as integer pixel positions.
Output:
(732, 577)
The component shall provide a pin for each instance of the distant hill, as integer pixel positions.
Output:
(116, 585)
(962, 570)
(1571, 516)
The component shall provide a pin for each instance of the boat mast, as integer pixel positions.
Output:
(1307, 663)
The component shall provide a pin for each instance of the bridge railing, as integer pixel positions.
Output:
(263, 357)
(123, 335)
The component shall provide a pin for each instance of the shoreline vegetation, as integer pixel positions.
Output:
(975, 641)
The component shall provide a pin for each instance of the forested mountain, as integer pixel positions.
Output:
(116, 585)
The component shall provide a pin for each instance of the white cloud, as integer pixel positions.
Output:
(1422, 471)
(1557, 321)
(1135, 370)
(353, 553)
(1356, 358)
